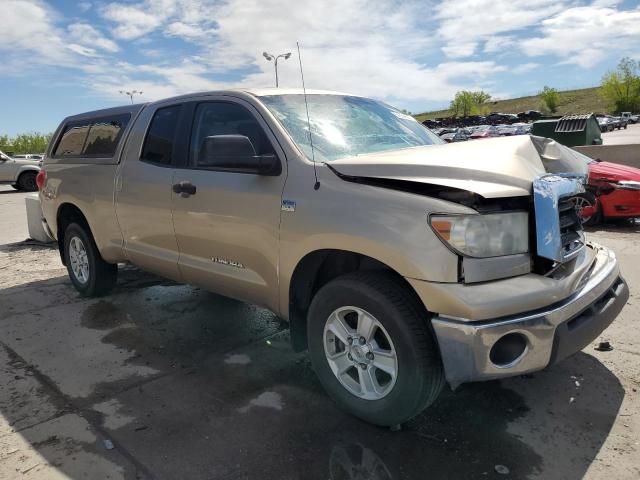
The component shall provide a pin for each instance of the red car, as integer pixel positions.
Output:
(613, 191)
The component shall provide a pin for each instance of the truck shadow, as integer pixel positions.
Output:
(187, 384)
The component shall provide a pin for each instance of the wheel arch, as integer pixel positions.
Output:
(315, 270)
(68, 213)
(26, 168)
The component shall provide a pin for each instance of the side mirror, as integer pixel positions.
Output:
(236, 153)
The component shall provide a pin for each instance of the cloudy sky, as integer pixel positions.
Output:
(64, 56)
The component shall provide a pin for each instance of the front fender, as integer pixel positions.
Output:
(387, 225)
(26, 168)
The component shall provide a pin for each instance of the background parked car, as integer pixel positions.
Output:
(622, 121)
(506, 130)
(457, 136)
(529, 115)
(496, 118)
(18, 172)
(485, 131)
(522, 129)
(613, 191)
(29, 156)
(605, 124)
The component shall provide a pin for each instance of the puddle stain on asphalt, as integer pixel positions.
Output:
(192, 334)
(103, 315)
(237, 359)
(271, 400)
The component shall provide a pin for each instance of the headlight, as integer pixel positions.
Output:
(628, 185)
(491, 235)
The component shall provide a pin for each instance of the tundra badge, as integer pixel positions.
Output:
(288, 206)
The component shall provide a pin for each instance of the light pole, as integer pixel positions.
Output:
(130, 94)
(275, 58)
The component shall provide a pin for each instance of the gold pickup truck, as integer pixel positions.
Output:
(400, 262)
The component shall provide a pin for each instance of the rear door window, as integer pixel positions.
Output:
(104, 135)
(73, 138)
(158, 146)
(93, 137)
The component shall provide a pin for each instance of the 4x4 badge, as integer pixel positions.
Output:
(288, 206)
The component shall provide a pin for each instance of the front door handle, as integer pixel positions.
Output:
(184, 188)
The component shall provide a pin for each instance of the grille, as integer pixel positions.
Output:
(571, 236)
(559, 235)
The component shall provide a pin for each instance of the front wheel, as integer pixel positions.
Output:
(27, 182)
(372, 349)
(588, 208)
(89, 273)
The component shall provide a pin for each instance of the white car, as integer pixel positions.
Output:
(29, 156)
(20, 173)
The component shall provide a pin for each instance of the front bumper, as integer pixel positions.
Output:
(547, 335)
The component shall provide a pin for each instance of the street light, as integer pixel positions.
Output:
(130, 94)
(275, 58)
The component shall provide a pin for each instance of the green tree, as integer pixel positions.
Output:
(621, 87)
(25, 143)
(467, 103)
(550, 97)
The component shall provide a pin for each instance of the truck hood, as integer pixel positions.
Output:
(492, 168)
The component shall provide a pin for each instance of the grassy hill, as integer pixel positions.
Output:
(584, 100)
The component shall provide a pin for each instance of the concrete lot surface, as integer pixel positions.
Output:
(623, 137)
(167, 381)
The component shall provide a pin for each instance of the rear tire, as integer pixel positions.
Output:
(89, 273)
(401, 329)
(15, 186)
(27, 182)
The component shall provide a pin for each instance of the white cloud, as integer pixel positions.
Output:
(373, 54)
(381, 48)
(184, 30)
(133, 21)
(498, 44)
(82, 50)
(32, 30)
(88, 36)
(524, 68)
(469, 21)
(586, 35)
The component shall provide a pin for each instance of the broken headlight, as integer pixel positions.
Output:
(490, 235)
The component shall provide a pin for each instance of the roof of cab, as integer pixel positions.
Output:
(261, 92)
(105, 112)
(256, 92)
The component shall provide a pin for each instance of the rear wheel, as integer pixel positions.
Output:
(588, 208)
(89, 273)
(27, 182)
(372, 349)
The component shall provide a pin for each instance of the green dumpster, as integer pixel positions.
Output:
(570, 130)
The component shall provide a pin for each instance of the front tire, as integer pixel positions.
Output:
(27, 182)
(588, 200)
(89, 273)
(372, 348)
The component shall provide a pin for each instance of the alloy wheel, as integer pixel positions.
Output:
(360, 353)
(79, 260)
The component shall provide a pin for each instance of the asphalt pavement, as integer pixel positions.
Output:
(161, 380)
(630, 135)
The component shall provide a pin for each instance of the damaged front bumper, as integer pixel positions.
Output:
(521, 343)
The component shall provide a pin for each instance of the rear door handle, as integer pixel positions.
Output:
(184, 188)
